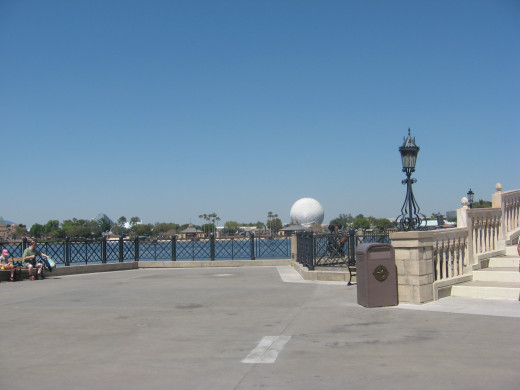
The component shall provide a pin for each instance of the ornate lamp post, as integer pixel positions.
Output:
(471, 195)
(410, 218)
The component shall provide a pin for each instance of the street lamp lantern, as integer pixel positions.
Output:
(409, 152)
(411, 217)
(471, 195)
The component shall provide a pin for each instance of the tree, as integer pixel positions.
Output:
(36, 230)
(20, 231)
(231, 227)
(134, 221)
(382, 224)
(51, 225)
(119, 226)
(343, 220)
(208, 227)
(481, 204)
(165, 229)
(273, 222)
(81, 228)
(361, 222)
(104, 225)
(212, 217)
(58, 233)
(142, 230)
(77, 231)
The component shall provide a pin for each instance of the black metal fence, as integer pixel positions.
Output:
(87, 251)
(336, 249)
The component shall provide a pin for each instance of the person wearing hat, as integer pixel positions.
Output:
(29, 260)
(5, 264)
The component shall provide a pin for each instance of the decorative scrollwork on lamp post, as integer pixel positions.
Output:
(411, 217)
(471, 196)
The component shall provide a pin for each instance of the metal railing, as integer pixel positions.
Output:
(87, 251)
(336, 249)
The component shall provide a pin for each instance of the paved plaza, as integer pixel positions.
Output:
(245, 328)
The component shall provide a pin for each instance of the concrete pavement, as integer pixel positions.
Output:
(212, 328)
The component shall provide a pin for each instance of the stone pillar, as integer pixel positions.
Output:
(415, 269)
(294, 247)
(462, 213)
(496, 198)
(496, 203)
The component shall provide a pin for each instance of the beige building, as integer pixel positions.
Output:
(190, 232)
(5, 232)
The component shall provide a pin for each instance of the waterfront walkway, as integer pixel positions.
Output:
(245, 328)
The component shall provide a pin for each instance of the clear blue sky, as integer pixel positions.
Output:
(170, 109)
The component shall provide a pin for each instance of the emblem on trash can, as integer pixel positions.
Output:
(380, 273)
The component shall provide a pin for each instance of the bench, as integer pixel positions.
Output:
(20, 273)
(336, 253)
(352, 272)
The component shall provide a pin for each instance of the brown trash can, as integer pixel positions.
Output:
(376, 275)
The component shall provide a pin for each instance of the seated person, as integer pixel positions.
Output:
(4, 262)
(336, 242)
(29, 260)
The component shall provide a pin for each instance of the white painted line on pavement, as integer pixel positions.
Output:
(267, 349)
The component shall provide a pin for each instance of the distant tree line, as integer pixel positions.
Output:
(362, 222)
(481, 204)
(83, 228)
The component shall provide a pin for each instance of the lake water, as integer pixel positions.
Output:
(91, 252)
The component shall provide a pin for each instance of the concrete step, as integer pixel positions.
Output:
(488, 290)
(495, 274)
(511, 250)
(504, 261)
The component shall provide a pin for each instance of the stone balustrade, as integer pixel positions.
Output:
(429, 262)
(509, 204)
(484, 231)
(450, 252)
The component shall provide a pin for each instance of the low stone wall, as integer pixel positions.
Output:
(329, 276)
(76, 269)
(91, 268)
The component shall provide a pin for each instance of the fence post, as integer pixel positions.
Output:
(252, 245)
(24, 244)
(174, 247)
(121, 248)
(294, 246)
(299, 249)
(212, 246)
(311, 265)
(104, 250)
(351, 246)
(136, 250)
(86, 251)
(67, 251)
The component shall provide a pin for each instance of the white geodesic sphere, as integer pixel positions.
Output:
(307, 211)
